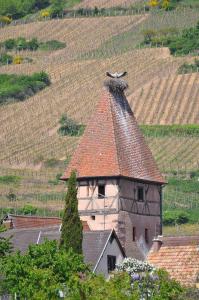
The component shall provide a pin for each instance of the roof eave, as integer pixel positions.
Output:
(163, 182)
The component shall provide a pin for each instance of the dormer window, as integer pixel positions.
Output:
(101, 191)
(140, 193)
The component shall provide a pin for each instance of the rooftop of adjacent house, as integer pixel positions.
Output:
(179, 256)
(112, 144)
(94, 242)
(24, 221)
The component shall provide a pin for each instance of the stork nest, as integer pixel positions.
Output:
(116, 85)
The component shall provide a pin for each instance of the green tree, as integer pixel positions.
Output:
(57, 7)
(121, 287)
(71, 232)
(5, 247)
(40, 273)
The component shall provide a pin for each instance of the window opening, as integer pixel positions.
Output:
(111, 262)
(134, 234)
(146, 234)
(101, 191)
(140, 194)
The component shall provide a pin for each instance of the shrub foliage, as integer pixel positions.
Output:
(19, 87)
(182, 43)
(70, 127)
(23, 44)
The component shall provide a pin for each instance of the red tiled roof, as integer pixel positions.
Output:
(180, 257)
(20, 221)
(113, 144)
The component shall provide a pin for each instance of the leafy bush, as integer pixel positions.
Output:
(189, 68)
(57, 7)
(194, 174)
(20, 87)
(22, 44)
(2, 228)
(5, 247)
(45, 13)
(17, 60)
(9, 44)
(52, 45)
(175, 217)
(10, 179)
(133, 266)
(5, 59)
(70, 127)
(28, 210)
(5, 20)
(179, 44)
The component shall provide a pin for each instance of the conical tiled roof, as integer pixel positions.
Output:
(112, 144)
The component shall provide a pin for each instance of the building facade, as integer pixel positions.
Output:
(119, 184)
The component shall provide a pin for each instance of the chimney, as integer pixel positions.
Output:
(157, 243)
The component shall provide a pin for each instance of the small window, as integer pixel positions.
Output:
(134, 234)
(111, 262)
(146, 235)
(101, 191)
(140, 194)
(93, 218)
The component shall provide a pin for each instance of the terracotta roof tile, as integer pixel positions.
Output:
(21, 221)
(113, 144)
(180, 257)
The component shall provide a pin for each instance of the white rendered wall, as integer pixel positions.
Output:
(111, 249)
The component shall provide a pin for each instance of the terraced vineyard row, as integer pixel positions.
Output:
(175, 153)
(104, 3)
(35, 132)
(173, 100)
(81, 35)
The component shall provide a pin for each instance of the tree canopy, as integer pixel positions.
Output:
(71, 232)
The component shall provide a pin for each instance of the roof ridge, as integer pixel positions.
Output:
(115, 140)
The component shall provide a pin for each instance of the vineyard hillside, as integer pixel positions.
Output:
(32, 148)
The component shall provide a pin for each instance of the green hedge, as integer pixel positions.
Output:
(170, 130)
(175, 217)
(19, 87)
(23, 44)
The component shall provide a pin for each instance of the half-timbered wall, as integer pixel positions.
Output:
(143, 216)
(122, 210)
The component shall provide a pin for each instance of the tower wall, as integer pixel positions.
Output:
(122, 210)
(139, 221)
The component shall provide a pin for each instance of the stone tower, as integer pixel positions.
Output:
(119, 184)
